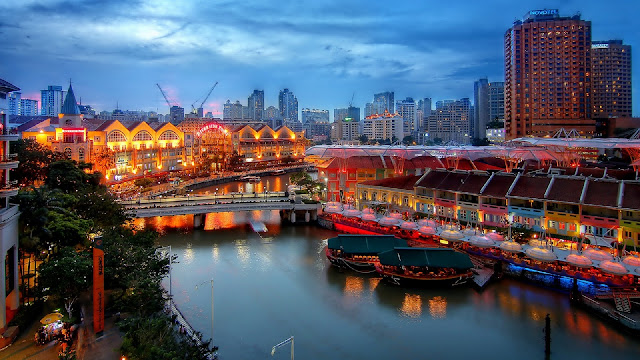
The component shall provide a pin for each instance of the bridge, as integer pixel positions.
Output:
(200, 205)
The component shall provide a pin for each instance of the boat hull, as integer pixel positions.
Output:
(415, 281)
(350, 264)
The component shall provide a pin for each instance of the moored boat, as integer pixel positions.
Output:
(360, 252)
(278, 172)
(250, 178)
(425, 266)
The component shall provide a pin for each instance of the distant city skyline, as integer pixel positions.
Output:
(324, 52)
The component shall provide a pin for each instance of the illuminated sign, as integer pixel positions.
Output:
(73, 131)
(599, 46)
(208, 127)
(543, 12)
(98, 286)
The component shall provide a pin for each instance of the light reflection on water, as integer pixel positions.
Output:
(269, 290)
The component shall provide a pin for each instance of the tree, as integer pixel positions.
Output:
(408, 140)
(34, 159)
(364, 139)
(104, 160)
(66, 176)
(66, 275)
(300, 178)
(480, 142)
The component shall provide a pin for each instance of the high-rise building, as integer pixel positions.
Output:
(610, 79)
(345, 129)
(547, 75)
(496, 101)
(384, 102)
(450, 122)
(288, 105)
(351, 112)
(28, 107)
(234, 111)
(272, 117)
(315, 115)
(383, 127)
(176, 114)
(256, 105)
(51, 100)
(13, 102)
(480, 107)
(9, 289)
(407, 110)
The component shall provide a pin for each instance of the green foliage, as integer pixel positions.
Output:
(408, 140)
(480, 142)
(300, 178)
(67, 229)
(26, 315)
(66, 176)
(134, 270)
(155, 338)
(364, 139)
(66, 275)
(495, 124)
(34, 159)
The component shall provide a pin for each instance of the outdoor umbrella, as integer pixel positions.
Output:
(540, 254)
(408, 225)
(578, 260)
(631, 260)
(427, 230)
(599, 255)
(481, 241)
(51, 318)
(495, 236)
(614, 268)
(426, 222)
(511, 246)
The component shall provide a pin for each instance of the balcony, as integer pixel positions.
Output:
(494, 209)
(445, 202)
(8, 161)
(526, 211)
(599, 221)
(562, 215)
(9, 137)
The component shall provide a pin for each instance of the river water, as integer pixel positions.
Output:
(268, 288)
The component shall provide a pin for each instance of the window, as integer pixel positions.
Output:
(67, 153)
(81, 154)
(143, 136)
(96, 138)
(168, 135)
(116, 136)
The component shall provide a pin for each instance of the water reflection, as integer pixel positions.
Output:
(438, 307)
(412, 305)
(353, 286)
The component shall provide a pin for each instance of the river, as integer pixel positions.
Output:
(268, 288)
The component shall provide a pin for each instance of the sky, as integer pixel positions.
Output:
(324, 51)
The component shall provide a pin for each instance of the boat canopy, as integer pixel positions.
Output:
(430, 257)
(365, 244)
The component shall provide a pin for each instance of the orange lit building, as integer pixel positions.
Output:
(547, 75)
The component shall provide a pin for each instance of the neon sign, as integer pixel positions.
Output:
(210, 126)
(543, 12)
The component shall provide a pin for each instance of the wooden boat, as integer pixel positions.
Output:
(425, 266)
(278, 172)
(360, 252)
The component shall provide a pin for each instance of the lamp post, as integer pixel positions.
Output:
(211, 307)
(285, 342)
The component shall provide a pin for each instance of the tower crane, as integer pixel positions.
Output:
(164, 96)
(199, 111)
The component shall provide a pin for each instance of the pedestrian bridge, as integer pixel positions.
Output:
(199, 205)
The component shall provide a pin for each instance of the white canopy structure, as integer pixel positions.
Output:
(352, 213)
(452, 235)
(481, 241)
(408, 225)
(613, 267)
(578, 260)
(427, 230)
(540, 254)
(494, 236)
(427, 222)
(598, 255)
(388, 221)
(368, 217)
(632, 260)
(511, 246)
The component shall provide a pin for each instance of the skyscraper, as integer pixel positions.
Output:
(496, 101)
(481, 107)
(384, 101)
(547, 82)
(315, 116)
(28, 107)
(51, 100)
(288, 105)
(176, 114)
(351, 112)
(611, 79)
(256, 105)
(407, 110)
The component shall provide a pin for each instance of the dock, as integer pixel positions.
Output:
(482, 276)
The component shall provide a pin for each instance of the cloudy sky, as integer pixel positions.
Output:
(325, 51)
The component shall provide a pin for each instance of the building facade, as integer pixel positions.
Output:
(408, 111)
(383, 127)
(288, 105)
(256, 105)
(9, 214)
(480, 107)
(51, 100)
(345, 129)
(450, 122)
(547, 75)
(611, 79)
(315, 115)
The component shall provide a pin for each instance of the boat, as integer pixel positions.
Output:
(425, 266)
(360, 252)
(250, 178)
(258, 226)
(278, 172)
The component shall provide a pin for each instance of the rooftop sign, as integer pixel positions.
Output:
(599, 46)
(544, 12)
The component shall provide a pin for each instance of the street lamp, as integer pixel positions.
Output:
(285, 342)
(211, 307)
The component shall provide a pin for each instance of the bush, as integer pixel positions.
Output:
(26, 315)
(144, 182)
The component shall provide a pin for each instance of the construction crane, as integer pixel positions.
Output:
(164, 96)
(199, 111)
(351, 102)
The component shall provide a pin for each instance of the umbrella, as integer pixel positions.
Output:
(368, 211)
(578, 260)
(351, 213)
(408, 225)
(595, 254)
(388, 221)
(614, 268)
(427, 230)
(453, 235)
(511, 246)
(632, 260)
(471, 232)
(481, 241)
(495, 236)
(51, 318)
(368, 217)
(332, 209)
(426, 222)
(540, 254)
(396, 216)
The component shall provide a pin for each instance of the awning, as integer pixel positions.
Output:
(430, 257)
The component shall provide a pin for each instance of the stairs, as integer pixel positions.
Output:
(622, 304)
